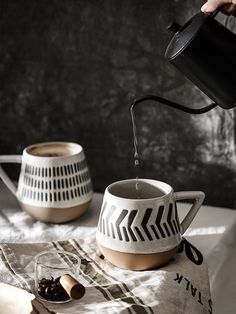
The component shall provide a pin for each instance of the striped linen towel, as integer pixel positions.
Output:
(182, 286)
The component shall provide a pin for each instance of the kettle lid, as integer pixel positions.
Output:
(183, 34)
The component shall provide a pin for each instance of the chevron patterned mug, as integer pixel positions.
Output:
(140, 229)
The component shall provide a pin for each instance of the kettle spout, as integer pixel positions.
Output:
(172, 104)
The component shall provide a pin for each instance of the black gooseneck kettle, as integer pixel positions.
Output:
(204, 50)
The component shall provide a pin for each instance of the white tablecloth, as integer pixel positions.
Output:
(213, 231)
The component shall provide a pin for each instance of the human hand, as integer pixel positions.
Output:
(227, 6)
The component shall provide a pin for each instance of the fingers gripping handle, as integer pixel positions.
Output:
(9, 159)
(198, 198)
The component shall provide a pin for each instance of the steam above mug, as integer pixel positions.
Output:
(54, 183)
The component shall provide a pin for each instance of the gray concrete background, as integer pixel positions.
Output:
(69, 71)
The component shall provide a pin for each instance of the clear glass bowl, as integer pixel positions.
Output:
(49, 267)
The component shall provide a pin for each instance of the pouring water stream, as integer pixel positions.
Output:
(136, 154)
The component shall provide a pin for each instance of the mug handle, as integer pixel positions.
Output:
(9, 159)
(198, 198)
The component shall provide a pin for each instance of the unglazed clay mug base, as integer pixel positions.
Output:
(55, 215)
(136, 261)
(54, 183)
(140, 230)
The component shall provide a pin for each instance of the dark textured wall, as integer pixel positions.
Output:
(69, 71)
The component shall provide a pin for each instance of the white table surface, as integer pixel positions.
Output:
(213, 231)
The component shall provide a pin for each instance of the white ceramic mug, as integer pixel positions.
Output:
(54, 183)
(140, 229)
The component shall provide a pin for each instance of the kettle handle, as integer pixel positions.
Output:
(213, 14)
(9, 159)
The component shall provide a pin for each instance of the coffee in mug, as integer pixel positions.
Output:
(54, 183)
(142, 231)
(53, 150)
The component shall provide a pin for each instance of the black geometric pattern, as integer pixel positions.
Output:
(162, 228)
(62, 183)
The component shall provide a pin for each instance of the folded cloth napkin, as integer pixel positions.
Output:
(182, 286)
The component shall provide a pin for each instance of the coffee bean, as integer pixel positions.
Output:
(41, 289)
(57, 279)
(48, 290)
(52, 290)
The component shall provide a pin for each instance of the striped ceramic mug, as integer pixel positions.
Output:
(54, 183)
(138, 226)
